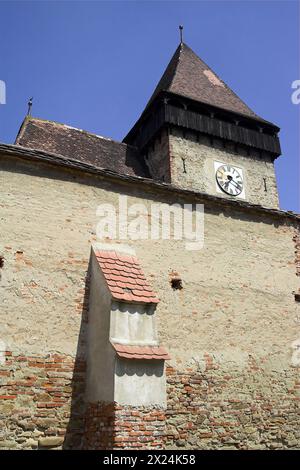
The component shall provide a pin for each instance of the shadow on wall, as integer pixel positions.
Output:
(138, 367)
(76, 424)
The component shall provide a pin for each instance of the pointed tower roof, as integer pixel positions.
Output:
(188, 76)
(191, 96)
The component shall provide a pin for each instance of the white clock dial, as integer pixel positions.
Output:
(229, 180)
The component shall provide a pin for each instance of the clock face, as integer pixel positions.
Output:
(229, 180)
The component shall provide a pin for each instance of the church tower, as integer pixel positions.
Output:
(196, 133)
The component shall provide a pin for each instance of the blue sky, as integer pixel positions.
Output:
(93, 65)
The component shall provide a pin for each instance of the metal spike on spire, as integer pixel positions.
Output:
(29, 106)
(181, 33)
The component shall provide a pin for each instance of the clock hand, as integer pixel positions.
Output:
(229, 180)
(236, 184)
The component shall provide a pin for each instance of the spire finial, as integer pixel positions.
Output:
(29, 106)
(181, 33)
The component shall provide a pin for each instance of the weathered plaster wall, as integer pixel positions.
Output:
(100, 354)
(140, 383)
(236, 305)
(133, 324)
(199, 154)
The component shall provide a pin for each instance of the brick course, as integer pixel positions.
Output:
(37, 396)
(112, 426)
(203, 413)
(41, 406)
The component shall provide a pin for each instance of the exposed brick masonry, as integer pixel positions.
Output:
(41, 401)
(203, 413)
(111, 426)
(41, 407)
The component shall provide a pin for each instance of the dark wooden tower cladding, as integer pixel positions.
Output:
(192, 97)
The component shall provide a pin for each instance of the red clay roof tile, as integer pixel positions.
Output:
(141, 352)
(124, 277)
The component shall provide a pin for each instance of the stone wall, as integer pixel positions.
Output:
(41, 401)
(221, 407)
(199, 154)
(237, 306)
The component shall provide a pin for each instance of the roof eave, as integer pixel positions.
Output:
(164, 93)
(75, 165)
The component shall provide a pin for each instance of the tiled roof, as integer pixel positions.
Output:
(141, 352)
(82, 146)
(124, 277)
(188, 76)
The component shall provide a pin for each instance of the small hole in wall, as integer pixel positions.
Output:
(176, 283)
(297, 297)
(1, 261)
